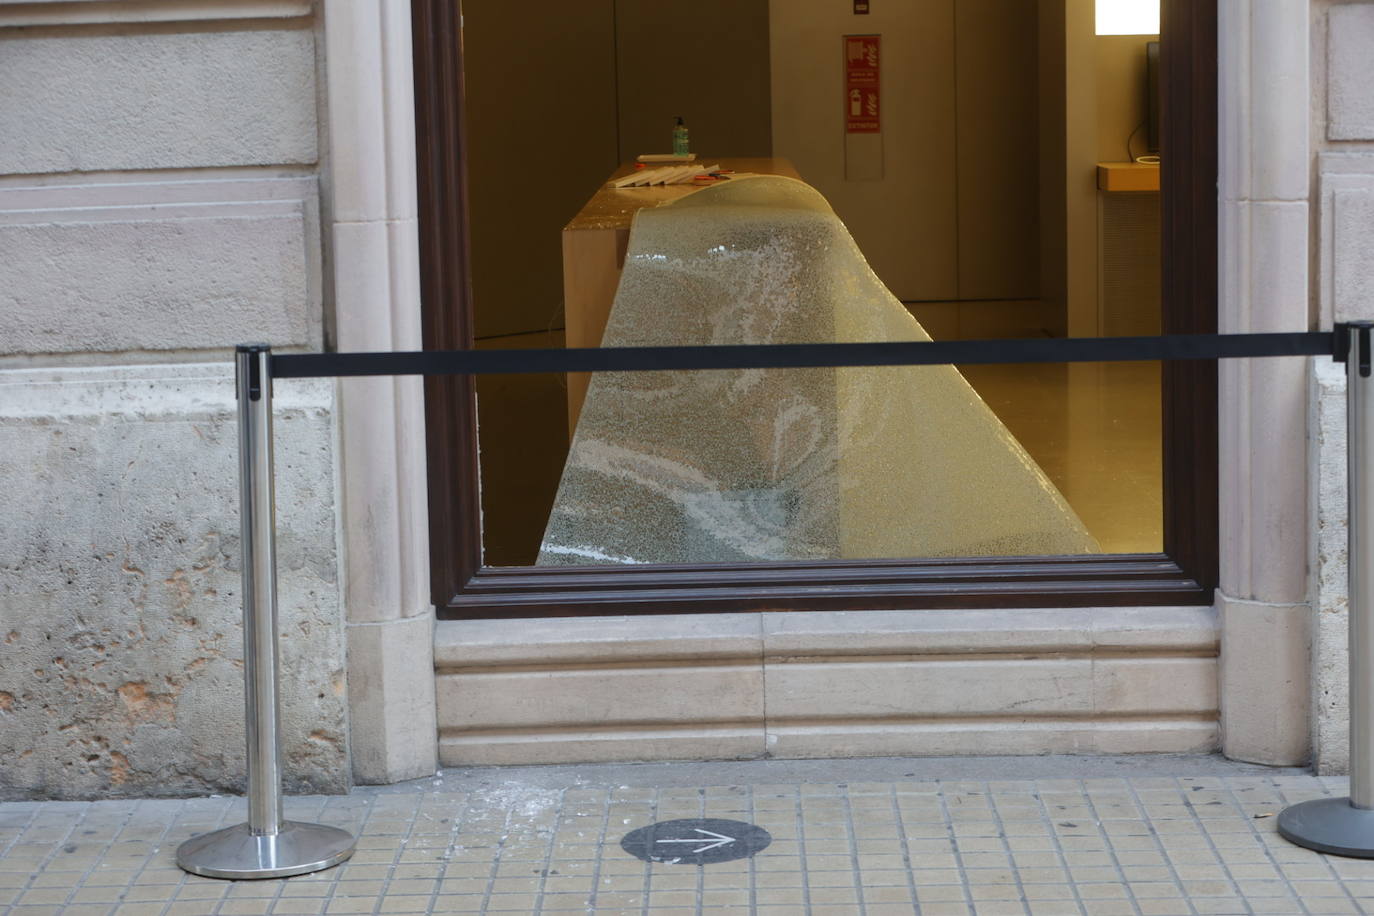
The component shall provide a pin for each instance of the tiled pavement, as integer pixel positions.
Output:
(986, 836)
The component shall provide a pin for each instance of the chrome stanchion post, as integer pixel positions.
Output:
(1345, 826)
(257, 507)
(266, 846)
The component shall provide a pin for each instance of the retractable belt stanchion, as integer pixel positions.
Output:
(269, 847)
(266, 846)
(1345, 826)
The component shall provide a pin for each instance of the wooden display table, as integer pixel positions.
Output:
(594, 244)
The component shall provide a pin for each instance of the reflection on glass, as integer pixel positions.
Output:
(727, 466)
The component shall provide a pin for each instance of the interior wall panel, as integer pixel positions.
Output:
(905, 221)
(998, 154)
(707, 62)
(541, 118)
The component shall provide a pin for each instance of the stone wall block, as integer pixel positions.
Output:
(812, 684)
(120, 618)
(1234, 119)
(879, 687)
(98, 102)
(1330, 572)
(1353, 270)
(391, 700)
(1028, 736)
(1278, 101)
(370, 504)
(1346, 212)
(707, 691)
(1277, 501)
(1277, 292)
(1350, 72)
(1265, 681)
(383, 428)
(570, 641)
(76, 12)
(1265, 291)
(357, 117)
(1159, 686)
(1233, 276)
(363, 271)
(1263, 499)
(1233, 497)
(158, 277)
(1262, 513)
(398, 69)
(799, 634)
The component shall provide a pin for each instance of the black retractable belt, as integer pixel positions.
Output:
(799, 356)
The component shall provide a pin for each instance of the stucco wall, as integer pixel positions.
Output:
(159, 202)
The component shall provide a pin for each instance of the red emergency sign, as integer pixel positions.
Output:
(862, 109)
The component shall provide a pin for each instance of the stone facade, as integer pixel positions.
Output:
(159, 202)
(177, 176)
(1342, 237)
(123, 647)
(168, 189)
(80, 102)
(165, 266)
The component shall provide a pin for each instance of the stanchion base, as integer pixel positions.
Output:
(236, 853)
(1330, 825)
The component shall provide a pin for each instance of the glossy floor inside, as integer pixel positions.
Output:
(1095, 430)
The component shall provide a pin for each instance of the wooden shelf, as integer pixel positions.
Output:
(1128, 176)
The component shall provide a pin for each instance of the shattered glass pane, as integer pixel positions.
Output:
(784, 464)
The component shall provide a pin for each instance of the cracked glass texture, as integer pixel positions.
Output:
(784, 464)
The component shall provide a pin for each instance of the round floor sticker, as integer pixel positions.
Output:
(696, 841)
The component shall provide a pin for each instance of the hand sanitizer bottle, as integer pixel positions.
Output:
(680, 138)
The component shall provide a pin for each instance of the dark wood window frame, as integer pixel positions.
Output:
(1185, 573)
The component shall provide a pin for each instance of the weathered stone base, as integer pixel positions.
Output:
(391, 699)
(1330, 688)
(1265, 681)
(120, 621)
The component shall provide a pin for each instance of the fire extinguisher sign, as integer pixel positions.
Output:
(862, 110)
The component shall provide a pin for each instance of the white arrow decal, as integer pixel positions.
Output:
(719, 840)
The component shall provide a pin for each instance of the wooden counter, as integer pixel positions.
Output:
(594, 244)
